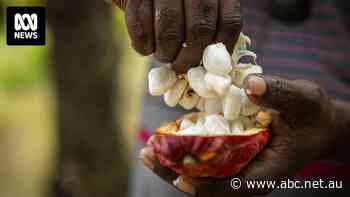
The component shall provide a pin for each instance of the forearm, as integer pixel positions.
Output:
(341, 131)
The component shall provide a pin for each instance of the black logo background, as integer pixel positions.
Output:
(10, 25)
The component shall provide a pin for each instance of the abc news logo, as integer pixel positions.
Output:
(26, 26)
(32, 22)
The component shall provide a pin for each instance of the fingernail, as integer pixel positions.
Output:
(184, 185)
(255, 85)
(147, 157)
(151, 140)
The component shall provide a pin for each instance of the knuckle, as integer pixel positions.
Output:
(318, 93)
(167, 28)
(204, 22)
(165, 16)
(232, 24)
(202, 30)
(279, 87)
(279, 147)
(168, 37)
(231, 17)
(167, 43)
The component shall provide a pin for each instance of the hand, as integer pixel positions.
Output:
(302, 131)
(163, 26)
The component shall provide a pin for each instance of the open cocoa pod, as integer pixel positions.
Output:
(207, 155)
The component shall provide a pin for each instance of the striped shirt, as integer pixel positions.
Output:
(317, 49)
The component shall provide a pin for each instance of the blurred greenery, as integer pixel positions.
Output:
(21, 66)
(26, 115)
(27, 136)
(23, 2)
(24, 66)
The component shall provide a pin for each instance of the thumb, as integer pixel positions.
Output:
(283, 95)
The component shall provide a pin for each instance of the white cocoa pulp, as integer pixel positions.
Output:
(214, 88)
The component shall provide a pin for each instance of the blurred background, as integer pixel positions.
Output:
(32, 80)
(69, 110)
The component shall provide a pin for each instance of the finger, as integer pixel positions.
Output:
(201, 20)
(120, 3)
(150, 141)
(262, 169)
(139, 17)
(186, 184)
(182, 183)
(169, 24)
(229, 23)
(276, 162)
(195, 187)
(149, 159)
(285, 96)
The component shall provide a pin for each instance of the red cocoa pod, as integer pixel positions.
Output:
(207, 156)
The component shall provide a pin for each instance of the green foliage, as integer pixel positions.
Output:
(23, 2)
(21, 66)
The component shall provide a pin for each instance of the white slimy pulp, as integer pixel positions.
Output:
(214, 88)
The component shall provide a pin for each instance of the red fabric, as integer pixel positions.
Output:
(143, 135)
(326, 169)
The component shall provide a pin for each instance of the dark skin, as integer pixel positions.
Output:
(307, 124)
(177, 32)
